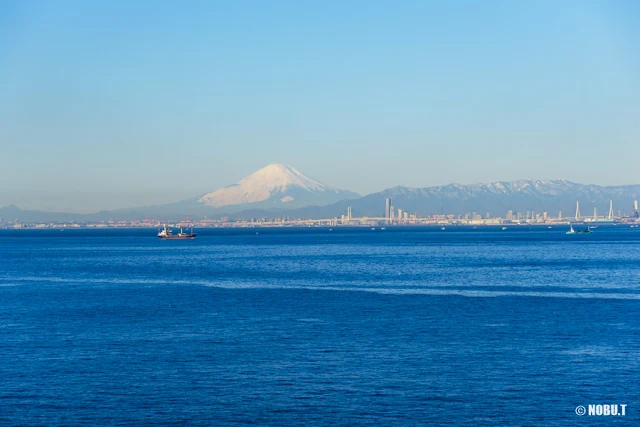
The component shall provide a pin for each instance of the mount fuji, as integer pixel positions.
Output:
(275, 186)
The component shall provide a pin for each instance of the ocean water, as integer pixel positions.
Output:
(290, 326)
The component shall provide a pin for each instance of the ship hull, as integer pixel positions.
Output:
(188, 237)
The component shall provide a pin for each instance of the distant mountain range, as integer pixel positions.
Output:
(280, 190)
(497, 198)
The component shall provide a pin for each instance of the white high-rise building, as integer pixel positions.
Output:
(387, 210)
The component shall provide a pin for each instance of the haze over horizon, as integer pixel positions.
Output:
(271, 187)
(117, 105)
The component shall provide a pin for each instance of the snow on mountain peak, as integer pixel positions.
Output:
(263, 184)
(279, 176)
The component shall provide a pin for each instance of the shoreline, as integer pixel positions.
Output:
(63, 227)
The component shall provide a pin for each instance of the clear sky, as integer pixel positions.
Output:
(107, 104)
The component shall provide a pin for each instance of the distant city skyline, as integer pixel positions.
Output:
(119, 104)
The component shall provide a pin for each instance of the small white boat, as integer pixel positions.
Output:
(504, 228)
(442, 228)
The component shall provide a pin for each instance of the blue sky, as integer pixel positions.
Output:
(109, 104)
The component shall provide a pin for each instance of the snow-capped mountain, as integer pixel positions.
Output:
(497, 198)
(274, 186)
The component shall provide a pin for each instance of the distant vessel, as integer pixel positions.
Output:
(166, 234)
(572, 231)
(504, 228)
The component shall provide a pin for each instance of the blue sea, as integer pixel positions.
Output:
(313, 326)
